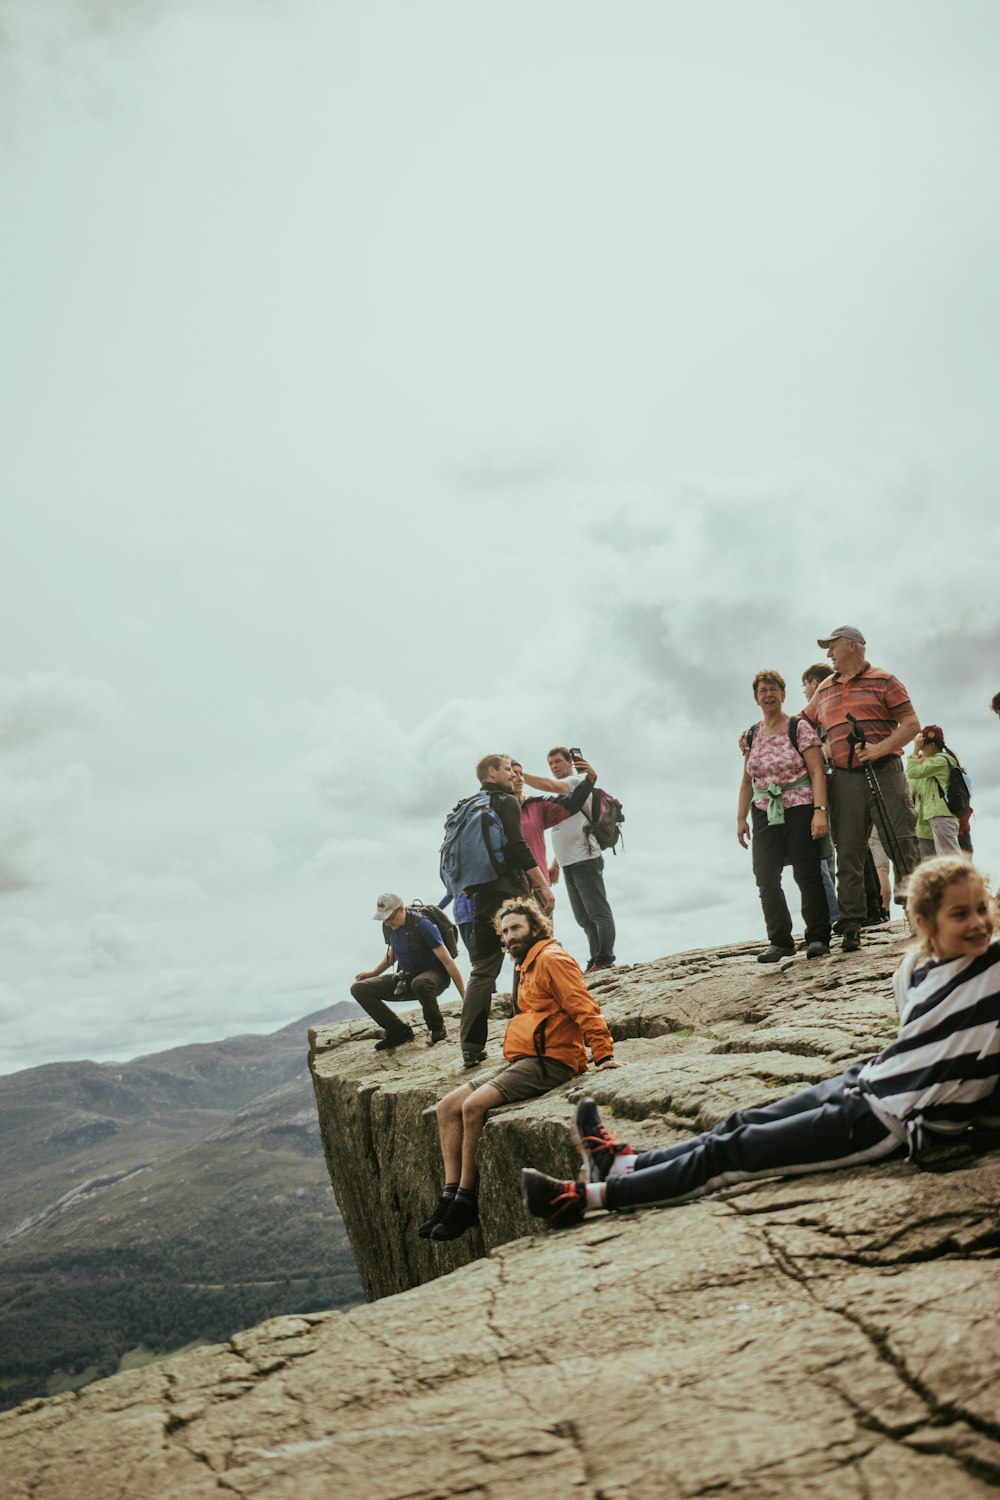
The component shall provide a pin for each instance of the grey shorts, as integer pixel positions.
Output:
(524, 1079)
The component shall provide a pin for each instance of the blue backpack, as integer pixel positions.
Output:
(472, 852)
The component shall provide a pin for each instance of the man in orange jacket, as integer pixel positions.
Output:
(555, 1018)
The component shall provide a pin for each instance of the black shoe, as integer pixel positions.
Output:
(471, 1058)
(560, 1204)
(440, 1209)
(459, 1218)
(394, 1039)
(438, 1034)
(852, 940)
(597, 1143)
(818, 950)
(774, 954)
(596, 964)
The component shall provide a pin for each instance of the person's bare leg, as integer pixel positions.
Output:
(451, 1129)
(884, 888)
(474, 1111)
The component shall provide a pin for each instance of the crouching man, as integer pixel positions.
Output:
(426, 969)
(555, 1016)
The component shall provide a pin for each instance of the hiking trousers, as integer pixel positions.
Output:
(487, 954)
(817, 1130)
(853, 811)
(371, 995)
(774, 843)
(589, 902)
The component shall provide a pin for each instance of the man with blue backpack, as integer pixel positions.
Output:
(484, 853)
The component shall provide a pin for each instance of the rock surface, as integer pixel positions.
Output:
(829, 1334)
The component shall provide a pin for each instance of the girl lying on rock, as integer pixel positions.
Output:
(937, 1075)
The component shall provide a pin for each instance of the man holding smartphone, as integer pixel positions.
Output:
(579, 857)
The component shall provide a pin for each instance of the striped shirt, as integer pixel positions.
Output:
(877, 700)
(945, 1062)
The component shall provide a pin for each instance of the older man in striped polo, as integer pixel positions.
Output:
(881, 705)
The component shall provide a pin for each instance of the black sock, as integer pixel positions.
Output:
(466, 1195)
(449, 1190)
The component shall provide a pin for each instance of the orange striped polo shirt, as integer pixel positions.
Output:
(877, 700)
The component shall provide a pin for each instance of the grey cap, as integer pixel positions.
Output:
(386, 904)
(843, 633)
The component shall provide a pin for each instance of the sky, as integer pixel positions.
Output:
(384, 385)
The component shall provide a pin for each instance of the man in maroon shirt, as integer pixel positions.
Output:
(881, 705)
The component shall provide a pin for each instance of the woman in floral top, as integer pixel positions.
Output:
(786, 783)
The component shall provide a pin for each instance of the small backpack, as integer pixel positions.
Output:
(441, 920)
(957, 794)
(472, 851)
(606, 819)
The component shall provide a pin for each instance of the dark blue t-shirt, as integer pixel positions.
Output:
(413, 953)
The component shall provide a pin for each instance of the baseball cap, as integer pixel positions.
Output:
(843, 633)
(386, 904)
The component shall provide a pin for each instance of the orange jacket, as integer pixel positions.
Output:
(556, 1013)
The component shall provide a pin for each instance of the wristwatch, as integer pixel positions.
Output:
(817, 808)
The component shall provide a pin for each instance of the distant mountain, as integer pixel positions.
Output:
(170, 1199)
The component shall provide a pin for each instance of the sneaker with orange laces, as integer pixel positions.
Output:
(560, 1204)
(597, 1143)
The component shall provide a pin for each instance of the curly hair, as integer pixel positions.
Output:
(926, 889)
(767, 676)
(525, 906)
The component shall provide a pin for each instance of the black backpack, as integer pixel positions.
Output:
(957, 792)
(444, 924)
(793, 734)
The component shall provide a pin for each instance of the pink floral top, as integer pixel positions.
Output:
(772, 759)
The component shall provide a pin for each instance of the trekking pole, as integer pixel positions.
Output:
(889, 840)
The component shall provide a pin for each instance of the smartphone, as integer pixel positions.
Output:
(575, 753)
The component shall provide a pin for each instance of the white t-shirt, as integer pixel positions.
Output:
(570, 844)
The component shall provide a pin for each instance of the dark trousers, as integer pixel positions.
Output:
(371, 995)
(487, 954)
(585, 888)
(791, 842)
(853, 809)
(818, 1130)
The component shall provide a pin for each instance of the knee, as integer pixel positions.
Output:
(356, 989)
(473, 1108)
(450, 1107)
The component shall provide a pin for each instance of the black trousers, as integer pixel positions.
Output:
(487, 954)
(773, 846)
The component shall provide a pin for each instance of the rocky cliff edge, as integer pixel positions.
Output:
(828, 1334)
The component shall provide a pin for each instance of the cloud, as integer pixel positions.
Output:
(40, 705)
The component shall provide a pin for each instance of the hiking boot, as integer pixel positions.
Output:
(560, 1204)
(471, 1058)
(774, 954)
(440, 1209)
(818, 950)
(598, 963)
(597, 1143)
(394, 1039)
(852, 940)
(458, 1218)
(438, 1034)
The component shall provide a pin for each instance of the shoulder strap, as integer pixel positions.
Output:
(793, 732)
